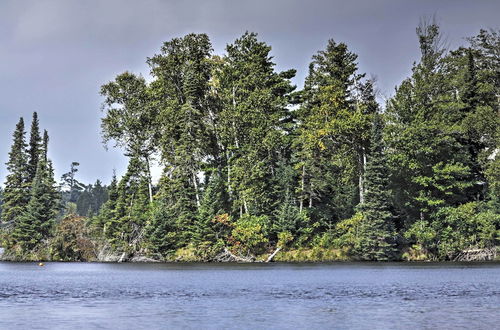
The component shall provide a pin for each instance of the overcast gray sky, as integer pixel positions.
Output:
(55, 54)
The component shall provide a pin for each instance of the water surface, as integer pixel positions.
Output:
(256, 296)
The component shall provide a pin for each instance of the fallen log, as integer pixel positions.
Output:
(477, 255)
(123, 257)
(228, 256)
(270, 258)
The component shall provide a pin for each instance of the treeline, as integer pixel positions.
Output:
(252, 164)
(30, 197)
(32, 204)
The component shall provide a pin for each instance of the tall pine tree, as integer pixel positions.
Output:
(376, 237)
(39, 216)
(34, 148)
(16, 195)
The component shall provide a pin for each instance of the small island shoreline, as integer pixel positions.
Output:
(278, 256)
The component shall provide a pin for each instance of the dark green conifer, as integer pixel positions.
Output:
(108, 209)
(214, 202)
(173, 215)
(36, 222)
(34, 148)
(15, 195)
(131, 208)
(377, 229)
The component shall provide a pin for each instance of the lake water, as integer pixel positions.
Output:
(253, 296)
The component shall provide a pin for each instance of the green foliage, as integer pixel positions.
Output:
(173, 214)
(34, 151)
(347, 233)
(37, 220)
(253, 118)
(377, 227)
(422, 234)
(16, 195)
(128, 209)
(249, 164)
(214, 203)
(91, 199)
(249, 234)
(468, 226)
(333, 134)
(70, 186)
(493, 176)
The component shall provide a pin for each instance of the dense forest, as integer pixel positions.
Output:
(254, 167)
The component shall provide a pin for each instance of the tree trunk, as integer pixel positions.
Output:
(270, 258)
(311, 197)
(233, 123)
(245, 205)
(228, 174)
(150, 179)
(195, 183)
(302, 187)
(361, 180)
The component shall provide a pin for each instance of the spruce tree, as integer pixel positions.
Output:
(173, 215)
(84, 202)
(36, 222)
(376, 237)
(131, 209)
(430, 166)
(45, 145)
(108, 209)
(34, 148)
(16, 196)
(333, 134)
(214, 202)
(99, 196)
(254, 99)
(1, 202)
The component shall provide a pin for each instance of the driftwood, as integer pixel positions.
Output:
(270, 258)
(228, 256)
(477, 255)
(124, 257)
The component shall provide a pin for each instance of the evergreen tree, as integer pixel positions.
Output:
(84, 202)
(45, 145)
(253, 122)
(108, 209)
(16, 195)
(213, 203)
(36, 222)
(333, 134)
(34, 148)
(173, 215)
(430, 166)
(376, 237)
(91, 199)
(99, 196)
(286, 213)
(182, 71)
(1, 203)
(131, 208)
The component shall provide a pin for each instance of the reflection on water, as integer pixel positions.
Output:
(344, 295)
